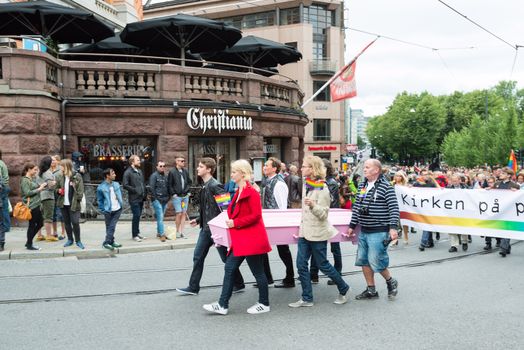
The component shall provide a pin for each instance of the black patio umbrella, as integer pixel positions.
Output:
(49, 20)
(114, 45)
(185, 32)
(256, 52)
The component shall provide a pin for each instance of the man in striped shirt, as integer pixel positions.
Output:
(376, 211)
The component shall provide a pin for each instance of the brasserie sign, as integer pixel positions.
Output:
(218, 120)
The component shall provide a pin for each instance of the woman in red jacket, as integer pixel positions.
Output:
(248, 241)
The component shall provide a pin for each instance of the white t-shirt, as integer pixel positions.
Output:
(66, 191)
(115, 204)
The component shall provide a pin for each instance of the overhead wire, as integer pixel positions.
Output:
(514, 47)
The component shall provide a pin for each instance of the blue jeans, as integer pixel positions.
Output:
(136, 209)
(202, 246)
(6, 220)
(318, 250)
(160, 210)
(372, 252)
(111, 221)
(427, 239)
(256, 265)
(337, 260)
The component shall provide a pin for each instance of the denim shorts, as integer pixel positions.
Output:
(57, 217)
(180, 203)
(372, 252)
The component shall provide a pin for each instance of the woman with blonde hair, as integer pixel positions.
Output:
(70, 189)
(249, 241)
(315, 230)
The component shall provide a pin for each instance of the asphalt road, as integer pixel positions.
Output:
(127, 302)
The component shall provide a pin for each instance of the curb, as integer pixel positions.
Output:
(89, 253)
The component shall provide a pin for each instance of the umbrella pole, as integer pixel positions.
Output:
(183, 56)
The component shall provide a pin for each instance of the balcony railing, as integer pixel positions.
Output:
(24, 69)
(322, 67)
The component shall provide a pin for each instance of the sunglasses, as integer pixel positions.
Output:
(161, 166)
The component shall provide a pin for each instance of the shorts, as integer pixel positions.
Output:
(57, 216)
(180, 203)
(48, 209)
(372, 252)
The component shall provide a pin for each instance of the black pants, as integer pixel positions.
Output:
(35, 224)
(71, 223)
(488, 240)
(285, 255)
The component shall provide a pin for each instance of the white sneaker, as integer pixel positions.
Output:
(180, 235)
(141, 237)
(216, 308)
(341, 299)
(137, 239)
(301, 303)
(258, 309)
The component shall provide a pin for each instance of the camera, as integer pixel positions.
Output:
(364, 211)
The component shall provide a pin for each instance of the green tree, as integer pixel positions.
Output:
(360, 142)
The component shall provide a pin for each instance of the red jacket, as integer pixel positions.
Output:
(248, 235)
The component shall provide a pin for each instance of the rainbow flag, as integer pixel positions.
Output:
(314, 184)
(223, 199)
(512, 163)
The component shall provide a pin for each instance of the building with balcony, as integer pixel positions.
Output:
(108, 111)
(314, 28)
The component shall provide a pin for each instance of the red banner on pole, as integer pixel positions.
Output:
(344, 86)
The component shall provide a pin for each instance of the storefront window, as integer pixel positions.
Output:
(99, 153)
(273, 147)
(222, 150)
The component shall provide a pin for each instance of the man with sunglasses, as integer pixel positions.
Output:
(178, 184)
(159, 197)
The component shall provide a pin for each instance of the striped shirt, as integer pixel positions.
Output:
(375, 210)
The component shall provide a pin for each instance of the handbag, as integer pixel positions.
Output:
(22, 212)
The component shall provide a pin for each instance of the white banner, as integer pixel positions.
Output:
(495, 213)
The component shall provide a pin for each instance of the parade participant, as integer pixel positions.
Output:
(179, 183)
(209, 209)
(70, 191)
(505, 183)
(4, 195)
(57, 213)
(314, 232)
(333, 187)
(160, 197)
(30, 192)
(47, 196)
(455, 239)
(491, 182)
(401, 179)
(109, 197)
(376, 211)
(274, 196)
(133, 182)
(249, 241)
(294, 185)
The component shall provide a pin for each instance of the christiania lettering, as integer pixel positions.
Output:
(218, 119)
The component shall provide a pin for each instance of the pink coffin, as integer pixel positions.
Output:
(283, 225)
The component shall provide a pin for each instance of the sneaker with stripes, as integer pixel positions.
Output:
(258, 308)
(216, 308)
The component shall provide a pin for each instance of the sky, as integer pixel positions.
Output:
(390, 67)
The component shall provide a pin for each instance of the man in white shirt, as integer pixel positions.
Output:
(274, 196)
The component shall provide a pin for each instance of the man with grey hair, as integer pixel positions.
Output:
(376, 211)
(133, 182)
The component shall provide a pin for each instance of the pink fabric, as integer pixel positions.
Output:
(282, 226)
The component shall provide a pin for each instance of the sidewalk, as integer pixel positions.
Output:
(92, 234)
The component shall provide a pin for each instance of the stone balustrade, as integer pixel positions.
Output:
(23, 69)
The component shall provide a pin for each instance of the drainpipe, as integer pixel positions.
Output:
(63, 128)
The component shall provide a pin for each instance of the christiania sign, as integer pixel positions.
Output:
(218, 120)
